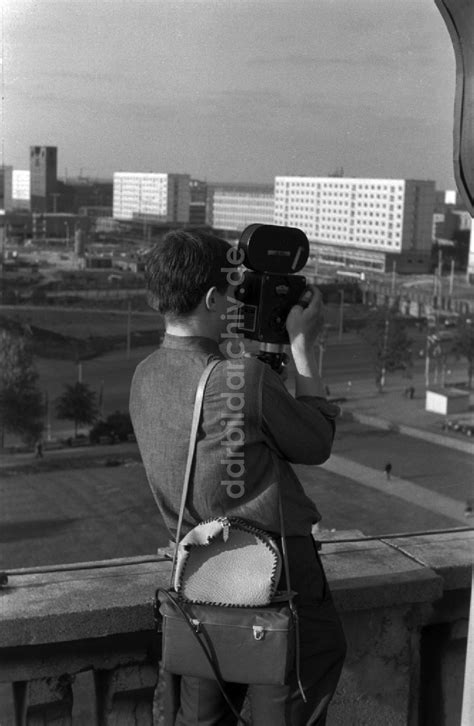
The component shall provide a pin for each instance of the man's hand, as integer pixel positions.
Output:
(305, 324)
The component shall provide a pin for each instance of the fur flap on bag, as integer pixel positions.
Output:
(227, 561)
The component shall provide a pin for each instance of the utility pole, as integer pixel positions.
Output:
(427, 362)
(101, 400)
(341, 314)
(451, 278)
(440, 271)
(394, 272)
(48, 416)
(129, 327)
(384, 350)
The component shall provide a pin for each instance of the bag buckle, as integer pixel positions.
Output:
(258, 632)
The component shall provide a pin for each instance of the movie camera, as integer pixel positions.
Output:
(269, 287)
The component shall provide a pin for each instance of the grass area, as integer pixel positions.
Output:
(71, 334)
(78, 323)
(76, 461)
(89, 513)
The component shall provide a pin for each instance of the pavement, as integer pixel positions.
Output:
(393, 410)
(78, 455)
(413, 494)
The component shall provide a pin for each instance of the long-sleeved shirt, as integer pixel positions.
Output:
(251, 429)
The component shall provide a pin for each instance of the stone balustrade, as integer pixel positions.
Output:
(79, 645)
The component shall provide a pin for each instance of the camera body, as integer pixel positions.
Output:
(270, 287)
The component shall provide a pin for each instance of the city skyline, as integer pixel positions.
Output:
(232, 91)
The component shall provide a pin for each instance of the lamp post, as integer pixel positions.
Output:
(47, 415)
(341, 314)
(129, 327)
(384, 351)
(451, 278)
(394, 274)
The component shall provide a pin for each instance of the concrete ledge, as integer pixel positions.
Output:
(449, 554)
(392, 590)
(67, 606)
(371, 574)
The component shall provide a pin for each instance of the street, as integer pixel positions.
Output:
(111, 374)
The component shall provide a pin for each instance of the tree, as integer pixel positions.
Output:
(117, 425)
(385, 332)
(463, 344)
(21, 402)
(78, 404)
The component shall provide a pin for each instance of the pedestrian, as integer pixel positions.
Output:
(468, 509)
(411, 392)
(39, 449)
(388, 470)
(187, 284)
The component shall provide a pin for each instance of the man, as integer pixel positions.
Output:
(251, 428)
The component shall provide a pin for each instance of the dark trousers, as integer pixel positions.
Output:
(323, 648)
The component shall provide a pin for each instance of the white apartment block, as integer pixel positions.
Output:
(233, 207)
(163, 197)
(366, 217)
(21, 187)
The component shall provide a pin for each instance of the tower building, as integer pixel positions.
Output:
(43, 178)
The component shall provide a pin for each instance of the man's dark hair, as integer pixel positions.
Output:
(181, 269)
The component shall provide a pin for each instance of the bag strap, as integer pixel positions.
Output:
(191, 449)
(293, 609)
(187, 475)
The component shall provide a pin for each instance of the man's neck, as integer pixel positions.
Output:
(190, 328)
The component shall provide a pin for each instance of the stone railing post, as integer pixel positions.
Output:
(43, 702)
(124, 695)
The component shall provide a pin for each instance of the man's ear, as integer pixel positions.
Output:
(210, 299)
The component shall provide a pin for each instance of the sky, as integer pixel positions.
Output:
(230, 90)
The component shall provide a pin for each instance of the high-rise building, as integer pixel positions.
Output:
(360, 222)
(233, 206)
(151, 196)
(43, 178)
(21, 188)
(6, 188)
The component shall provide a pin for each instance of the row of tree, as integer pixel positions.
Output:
(386, 333)
(23, 406)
